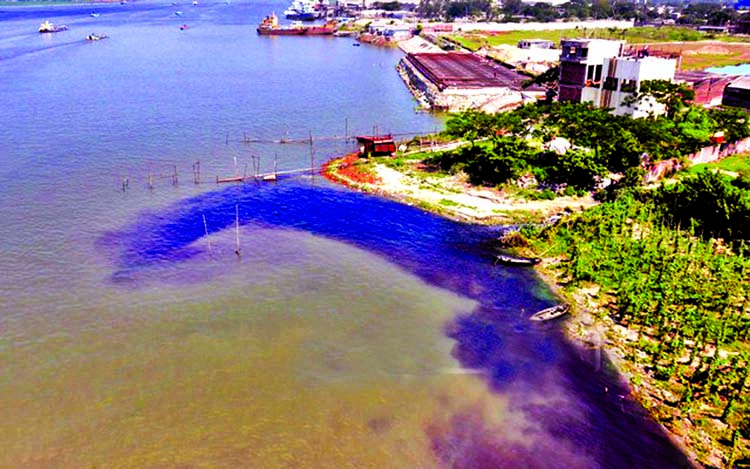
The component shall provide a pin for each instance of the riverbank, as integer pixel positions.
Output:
(411, 182)
(699, 432)
(592, 328)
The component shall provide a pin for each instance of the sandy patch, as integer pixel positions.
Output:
(459, 199)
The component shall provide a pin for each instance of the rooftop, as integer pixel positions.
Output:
(462, 70)
(694, 76)
(740, 83)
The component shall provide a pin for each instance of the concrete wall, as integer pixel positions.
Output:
(656, 171)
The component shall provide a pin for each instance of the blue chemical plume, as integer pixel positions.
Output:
(513, 356)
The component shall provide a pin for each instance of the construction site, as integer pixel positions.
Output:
(455, 81)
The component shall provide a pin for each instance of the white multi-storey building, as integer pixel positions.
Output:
(581, 63)
(622, 78)
(597, 71)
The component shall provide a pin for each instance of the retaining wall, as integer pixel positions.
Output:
(657, 170)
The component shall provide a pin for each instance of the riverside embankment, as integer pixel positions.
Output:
(592, 326)
(448, 195)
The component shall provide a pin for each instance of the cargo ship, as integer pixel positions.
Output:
(270, 27)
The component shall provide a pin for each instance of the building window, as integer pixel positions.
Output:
(610, 83)
(598, 74)
(584, 52)
(628, 86)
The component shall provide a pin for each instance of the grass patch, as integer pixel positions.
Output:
(476, 40)
(734, 163)
(701, 61)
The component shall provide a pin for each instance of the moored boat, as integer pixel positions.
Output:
(512, 260)
(48, 27)
(270, 26)
(550, 313)
(302, 10)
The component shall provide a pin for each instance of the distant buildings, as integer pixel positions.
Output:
(535, 44)
(391, 30)
(598, 71)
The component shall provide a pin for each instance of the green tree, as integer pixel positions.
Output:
(710, 203)
(673, 95)
(579, 169)
(734, 122)
(504, 159)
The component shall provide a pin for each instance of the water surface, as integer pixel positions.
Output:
(351, 332)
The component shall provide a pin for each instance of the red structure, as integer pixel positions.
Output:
(708, 87)
(376, 145)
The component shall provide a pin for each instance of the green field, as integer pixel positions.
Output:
(476, 40)
(735, 164)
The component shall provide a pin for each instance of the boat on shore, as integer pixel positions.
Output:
(550, 313)
(48, 27)
(512, 260)
(270, 27)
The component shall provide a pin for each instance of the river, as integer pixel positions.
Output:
(351, 332)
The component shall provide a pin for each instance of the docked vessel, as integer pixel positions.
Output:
(48, 27)
(270, 27)
(302, 10)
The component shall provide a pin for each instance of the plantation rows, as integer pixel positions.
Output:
(687, 297)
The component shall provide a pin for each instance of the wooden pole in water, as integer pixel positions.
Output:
(346, 129)
(257, 171)
(237, 251)
(174, 175)
(150, 180)
(197, 172)
(275, 166)
(205, 229)
(312, 157)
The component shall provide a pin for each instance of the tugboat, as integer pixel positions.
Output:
(270, 27)
(48, 27)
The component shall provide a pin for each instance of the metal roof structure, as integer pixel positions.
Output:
(464, 70)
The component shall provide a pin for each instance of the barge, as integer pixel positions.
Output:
(270, 27)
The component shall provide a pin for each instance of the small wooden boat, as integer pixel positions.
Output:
(550, 313)
(48, 27)
(512, 260)
(95, 37)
